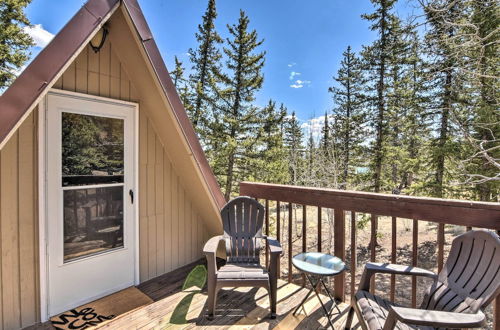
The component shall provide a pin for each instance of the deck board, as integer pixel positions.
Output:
(237, 308)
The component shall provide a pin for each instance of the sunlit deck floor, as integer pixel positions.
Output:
(242, 308)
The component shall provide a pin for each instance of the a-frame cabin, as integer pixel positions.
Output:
(103, 182)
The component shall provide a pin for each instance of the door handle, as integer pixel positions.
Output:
(131, 193)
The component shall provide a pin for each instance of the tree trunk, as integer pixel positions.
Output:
(443, 135)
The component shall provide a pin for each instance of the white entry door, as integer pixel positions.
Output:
(90, 219)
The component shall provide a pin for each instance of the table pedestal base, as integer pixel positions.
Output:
(315, 285)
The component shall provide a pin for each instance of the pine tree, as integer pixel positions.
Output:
(205, 60)
(311, 175)
(293, 142)
(474, 49)
(14, 41)
(412, 98)
(377, 57)
(177, 74)
(446, 84)
(484, 66)
(270, 163)
(234, 130)
(348, 111)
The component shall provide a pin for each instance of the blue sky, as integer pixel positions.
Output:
(305, 37)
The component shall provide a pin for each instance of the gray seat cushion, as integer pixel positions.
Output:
(375, 311)
(242, 271)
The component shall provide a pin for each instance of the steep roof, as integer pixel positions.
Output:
(30, 87)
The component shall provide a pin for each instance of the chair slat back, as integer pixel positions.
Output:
(242, 220)
(470, 279)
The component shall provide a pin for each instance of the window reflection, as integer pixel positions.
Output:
(93, 221)
(92, 149)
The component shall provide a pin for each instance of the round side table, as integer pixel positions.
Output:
(316, 266)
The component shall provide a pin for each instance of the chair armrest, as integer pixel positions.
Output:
(274, 246)
(372, 268)
(212, 244)
(436, 319)
(210, 251)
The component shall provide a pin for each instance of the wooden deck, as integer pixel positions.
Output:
(246, 308)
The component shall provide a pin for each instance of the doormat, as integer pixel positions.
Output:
(102, 310)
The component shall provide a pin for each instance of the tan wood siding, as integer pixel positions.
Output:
(167, 218)
(19, 305)
(171, 231)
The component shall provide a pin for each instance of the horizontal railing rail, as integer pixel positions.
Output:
(448, 211)
(440, 211)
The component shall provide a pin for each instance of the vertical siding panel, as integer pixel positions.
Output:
(134, 96)
(36, 297)
(115, 67)
(27, 248)
(187, 229)
(143, 197)
(81, 71)
(194, 232)
(201, 241)
(124, 85)
(181, 224)
(69, 78)
(104, 66)
(93, 73)
(175, 220)
(9, 234)
(167, 198)
(58, 83)
(151, 202)
(160, 216)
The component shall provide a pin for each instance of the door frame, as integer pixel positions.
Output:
(42, 187)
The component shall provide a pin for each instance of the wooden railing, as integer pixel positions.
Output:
(441, 211)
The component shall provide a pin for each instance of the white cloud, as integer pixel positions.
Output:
(300, 83)
(314, 125)
(293, 74)
(40, 36)
(292, 64)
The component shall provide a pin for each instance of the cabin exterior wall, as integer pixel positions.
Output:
(171, 230)
(19, 273)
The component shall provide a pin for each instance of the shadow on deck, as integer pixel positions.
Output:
(236, 307)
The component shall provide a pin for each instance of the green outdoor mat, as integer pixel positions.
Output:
(194, 283)
(196, 278)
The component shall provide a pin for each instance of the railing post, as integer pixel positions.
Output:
(393, 254)
(353, 255)
(304, 237)
(373, 247)
(304, 228)
(440, 241)
(319, 229)
(339, 251)
(414, 263)
(278, 231)
(290, 242)
(267, 232)
(278, 225)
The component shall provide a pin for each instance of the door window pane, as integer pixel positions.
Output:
(93, 221)
(92, 149)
